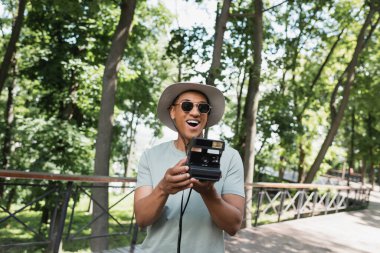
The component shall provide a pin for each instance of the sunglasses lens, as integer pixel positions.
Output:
(204, 108)
(187, 106)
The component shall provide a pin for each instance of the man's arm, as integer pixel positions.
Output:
(226, 211)
(148, 204)
(149, 201)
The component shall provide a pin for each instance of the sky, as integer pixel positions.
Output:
(191, 14)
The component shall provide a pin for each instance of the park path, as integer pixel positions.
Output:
(356, 231)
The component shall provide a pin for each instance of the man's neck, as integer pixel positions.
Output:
(180, 145)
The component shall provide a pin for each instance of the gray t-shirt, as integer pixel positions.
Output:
(199, 233)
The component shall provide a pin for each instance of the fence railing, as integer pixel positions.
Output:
(62, 193)
(275, 202)
(272, 202)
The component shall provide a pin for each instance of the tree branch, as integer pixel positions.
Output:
(250, 15)
(319, 73)
(275, 6)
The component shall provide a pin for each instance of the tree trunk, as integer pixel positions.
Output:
(53, 231)
(9, 119)
(239, 101)
(10, 197)
(363, 168)
(129, 141)
(11, 48)
(370, 135)
(346, 93)
(240, 122)
(9, 122)
(179, 76)
(281, 170)
(302, 153)
(105, 123)
(352, 140)
(318, 75)
(252, 103)
(220, 28)
(372, 175)
(301, 163)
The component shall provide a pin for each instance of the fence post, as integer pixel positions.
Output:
(72, 212)
(134, 238)
(58, 239)
(337, 201)
(259, 201)
(300, 203)
(315, 199)
(368, 194)
(327, 201)
(281, 205)
(355, 200)
(348, 199)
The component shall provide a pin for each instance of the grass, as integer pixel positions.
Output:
(12, 232)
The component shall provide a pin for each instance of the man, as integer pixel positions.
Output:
(214, 207)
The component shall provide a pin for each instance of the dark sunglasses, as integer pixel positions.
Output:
(187, 106)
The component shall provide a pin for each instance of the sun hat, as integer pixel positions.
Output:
(214, 96)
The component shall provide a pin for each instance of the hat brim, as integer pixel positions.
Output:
(214, 96)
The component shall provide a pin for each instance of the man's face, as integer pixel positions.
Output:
(189, 124)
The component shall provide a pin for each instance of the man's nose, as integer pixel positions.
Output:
(195, 110)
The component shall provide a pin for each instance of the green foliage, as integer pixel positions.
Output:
(140, 78)
(64, 45)
(294, 112)
(361, 132)
(13, 231)
(52, 145)
(189, 48)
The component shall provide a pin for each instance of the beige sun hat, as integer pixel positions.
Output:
(214, 96)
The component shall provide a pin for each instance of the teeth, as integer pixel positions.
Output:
(193, 122)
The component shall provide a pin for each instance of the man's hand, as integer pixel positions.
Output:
(202, 187)
(149, 201)
(176, 179)
(226, 210)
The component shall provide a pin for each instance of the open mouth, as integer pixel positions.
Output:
(192, 123)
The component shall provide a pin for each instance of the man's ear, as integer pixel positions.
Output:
(172, 114)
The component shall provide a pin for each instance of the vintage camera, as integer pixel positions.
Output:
(203, 159)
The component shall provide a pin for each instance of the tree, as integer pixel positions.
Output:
(187, 48)
(105, 121)
(220, 27)
(347, 84)
(11, 48)
(9, 121)
(252, 102)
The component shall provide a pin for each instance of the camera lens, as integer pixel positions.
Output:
(215, 159)
(204, 160)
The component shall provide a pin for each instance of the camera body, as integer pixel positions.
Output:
(203, 159)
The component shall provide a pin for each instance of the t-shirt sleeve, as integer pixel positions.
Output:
(234, 179)
(144, 176)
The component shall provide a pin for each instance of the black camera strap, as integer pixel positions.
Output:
(180, 219)
(182, 212)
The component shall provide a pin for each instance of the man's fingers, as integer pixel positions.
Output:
(176, 187)
(178, 177)
(181, 162)
(183, 186)
(179, 170)
(182, 183)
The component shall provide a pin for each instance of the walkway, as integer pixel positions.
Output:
(356, 231)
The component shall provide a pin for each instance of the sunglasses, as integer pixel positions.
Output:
(187, 106)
